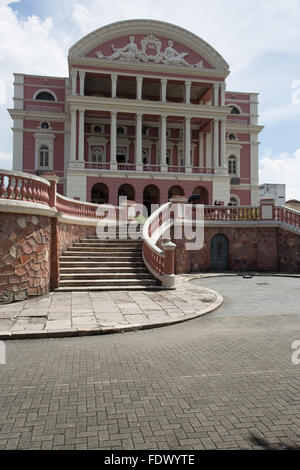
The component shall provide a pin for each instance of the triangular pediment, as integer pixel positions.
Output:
(148, 42)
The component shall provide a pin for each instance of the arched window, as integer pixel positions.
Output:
(99, 193)
(234, 110)
(232, 165)
(45, 95)
(97, 155)
(44, 156)
(175, 191)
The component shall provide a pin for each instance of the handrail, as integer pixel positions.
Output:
(84, 209)
(24, 187)
(157, 260)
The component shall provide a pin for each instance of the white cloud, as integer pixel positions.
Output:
(81, 16)
(5, 160)
(282, 169)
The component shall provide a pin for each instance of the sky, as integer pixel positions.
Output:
(259, 39)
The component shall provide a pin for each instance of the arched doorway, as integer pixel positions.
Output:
(126, 190)
(203, 193)
(175, 191)
(151, 196)
(99, 194)
(219, 253)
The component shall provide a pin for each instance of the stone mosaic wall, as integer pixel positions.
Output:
(24, 256)
(30, 247)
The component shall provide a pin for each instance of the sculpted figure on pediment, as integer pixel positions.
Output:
(171, 56)
(129, 52)
(150, 52)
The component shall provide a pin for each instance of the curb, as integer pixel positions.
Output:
(80, 332)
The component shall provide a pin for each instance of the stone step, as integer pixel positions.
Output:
(104, 254)
(107, 282)
(116, 261)
(109, 243)
(109, 288)
(104, 264)
(96, 247)
(105, 276)
(100, 269)
(105, 249)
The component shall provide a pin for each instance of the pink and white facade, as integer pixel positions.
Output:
(144, 113)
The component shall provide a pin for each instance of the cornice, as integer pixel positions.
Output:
(37, 115)
(147, 107)
(159, 69)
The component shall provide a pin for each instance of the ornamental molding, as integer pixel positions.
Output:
(149, 28)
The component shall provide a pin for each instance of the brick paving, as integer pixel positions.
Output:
(217, 382)
(74, 313)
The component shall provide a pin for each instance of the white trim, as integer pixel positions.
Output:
(48, 140)
(234, 105)
(18, 144)
(97, 142)
(48, 91)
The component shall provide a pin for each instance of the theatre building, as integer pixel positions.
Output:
(144, 113)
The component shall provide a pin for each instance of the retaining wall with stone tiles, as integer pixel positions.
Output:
(30, 246)
(260, 249)
(24, 256)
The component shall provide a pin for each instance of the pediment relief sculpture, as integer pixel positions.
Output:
(150, 53)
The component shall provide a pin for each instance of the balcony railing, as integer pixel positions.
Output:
(149, 168)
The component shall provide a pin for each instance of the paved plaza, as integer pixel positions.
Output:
(97, 312)
(221, 381)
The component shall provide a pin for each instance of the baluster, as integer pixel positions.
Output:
(2, 187)
(29, 192)
(17, 189)
(23, 190)
(47, 196)
(34, 193)
(10, 188)
(38, 191)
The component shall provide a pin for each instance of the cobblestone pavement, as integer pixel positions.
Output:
(217, 382)
(80, 313)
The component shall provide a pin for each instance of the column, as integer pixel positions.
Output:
(216, 94)
(82, 78)
(74, 81)
(138, 141)
(188, 85)
(223, 90)
(187, 144)
(216, 144)
(209, 159)
(114, 81)
(201, 150)
(139, 88)
(113, 140)
(73, 153)
(81, 136)
(163, 142)
(223, 142)
(163, 90)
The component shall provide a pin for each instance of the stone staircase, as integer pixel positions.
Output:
(95, 264)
